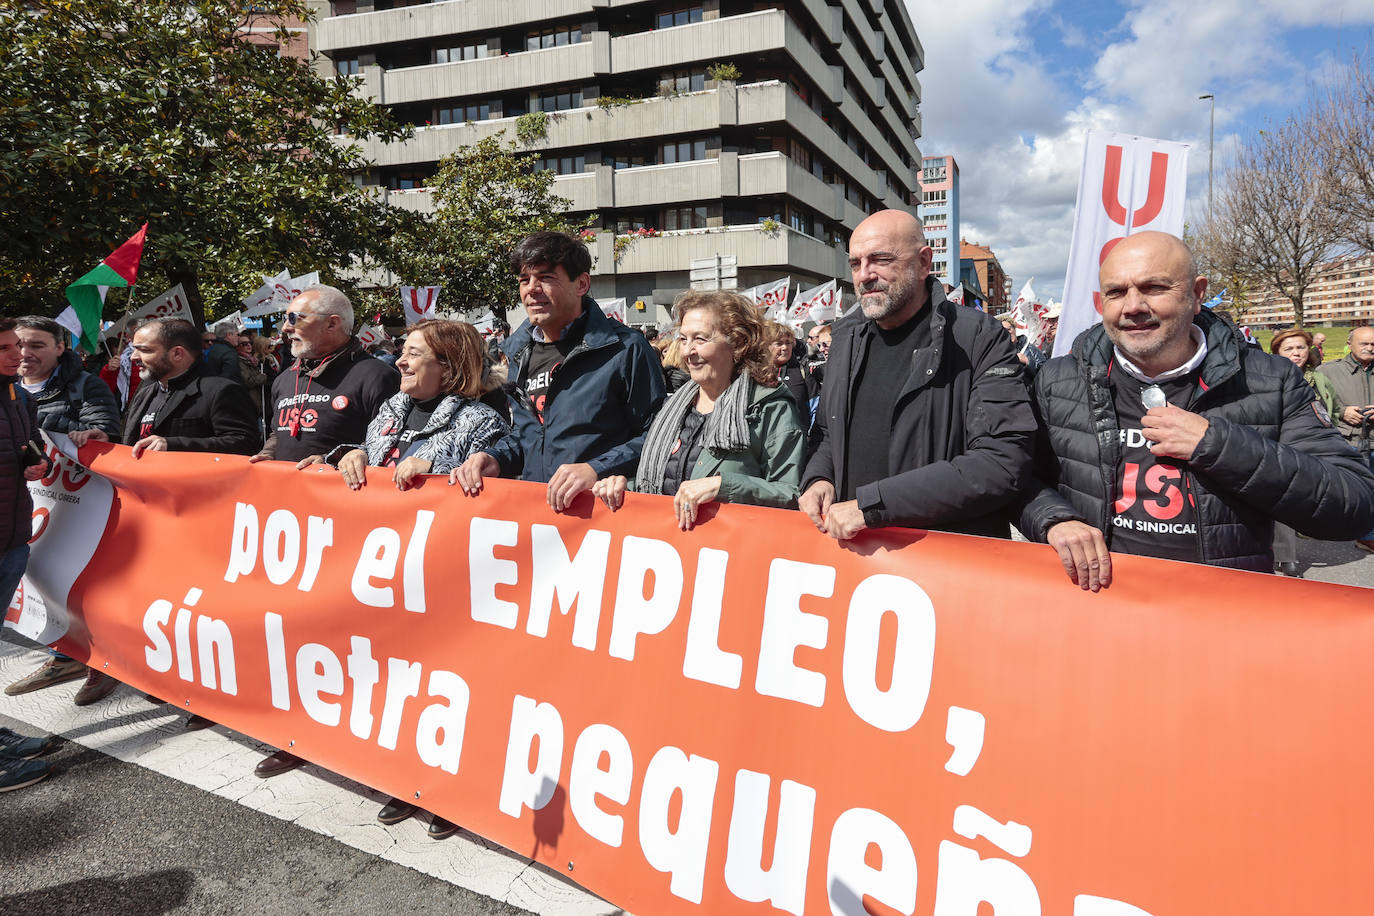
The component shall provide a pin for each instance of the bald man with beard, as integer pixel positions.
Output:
(924, 421)
(1165, 435)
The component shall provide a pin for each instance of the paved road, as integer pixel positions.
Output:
(145, 818)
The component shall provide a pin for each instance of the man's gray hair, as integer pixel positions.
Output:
(224, 329)
(332, 301)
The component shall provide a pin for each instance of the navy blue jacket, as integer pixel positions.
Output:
(603, 396)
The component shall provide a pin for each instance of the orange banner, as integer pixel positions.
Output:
(749, 717)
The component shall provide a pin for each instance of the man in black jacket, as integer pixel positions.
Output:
(924, 418)
(1165, 435)
(184, 410)
(326, 398)
(221, 358)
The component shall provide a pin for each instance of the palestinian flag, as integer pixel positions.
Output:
(87, 295)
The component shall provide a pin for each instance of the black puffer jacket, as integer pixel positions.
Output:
(1266, 456)
(75, 399)
(18, 427)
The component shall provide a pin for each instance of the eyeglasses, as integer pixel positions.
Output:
(293, 317)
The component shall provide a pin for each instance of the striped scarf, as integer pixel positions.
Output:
(727, 428)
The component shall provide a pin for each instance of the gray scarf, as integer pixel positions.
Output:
(726, 430)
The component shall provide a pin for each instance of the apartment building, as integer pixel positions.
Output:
(762, 131)
(940, 214)
(986, 273)
(1342, 292)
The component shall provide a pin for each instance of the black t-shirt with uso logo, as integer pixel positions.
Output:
(312, 415)
(1154, 514)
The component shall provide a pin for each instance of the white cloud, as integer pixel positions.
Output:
(1008, 112)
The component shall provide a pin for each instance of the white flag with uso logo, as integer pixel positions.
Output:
(1128, 184)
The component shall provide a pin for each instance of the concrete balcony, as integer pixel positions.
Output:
(489, 76)
(431, 20)
(781, 250)
(773, 173)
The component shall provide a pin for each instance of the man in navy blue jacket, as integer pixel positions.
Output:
(586, 386)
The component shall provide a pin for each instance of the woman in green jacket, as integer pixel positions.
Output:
(1295, 345)
(731, 434)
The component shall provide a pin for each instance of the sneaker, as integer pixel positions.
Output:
(14, 746)
(97, 687)
(54, 671)
(16, 774)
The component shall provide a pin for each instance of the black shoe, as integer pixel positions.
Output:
(440, 829)
(196, 723)
(395, 811)
(1289, 569)
(275, 765)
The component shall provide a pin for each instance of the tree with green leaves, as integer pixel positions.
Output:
(487, 197)
(182, 114)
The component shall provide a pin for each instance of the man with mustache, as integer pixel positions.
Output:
(924, 421)
(1165, 435)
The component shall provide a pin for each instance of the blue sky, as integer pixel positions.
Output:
(1010, 86)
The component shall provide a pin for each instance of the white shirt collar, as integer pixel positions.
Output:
(1193, 362)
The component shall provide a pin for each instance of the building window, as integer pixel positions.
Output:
(681, 151)
(537, 39)
(560, 100)
(458, 114)
(680, 15)
(934, 197)
(685, 80)
(462, 52)
(346, 67)
(684, 218)
(561, 165)
(408, 181)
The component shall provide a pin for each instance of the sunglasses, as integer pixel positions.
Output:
(293, 317)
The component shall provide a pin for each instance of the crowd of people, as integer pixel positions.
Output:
(1163, 433)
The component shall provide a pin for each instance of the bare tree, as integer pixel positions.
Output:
(1343, 122)
(1275, 220)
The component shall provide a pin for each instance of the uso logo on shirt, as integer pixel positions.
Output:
(339, 403)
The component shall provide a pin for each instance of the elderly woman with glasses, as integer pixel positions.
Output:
(732, 433)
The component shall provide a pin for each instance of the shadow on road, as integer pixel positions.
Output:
(142, 895)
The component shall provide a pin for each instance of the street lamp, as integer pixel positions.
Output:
(1211, 142)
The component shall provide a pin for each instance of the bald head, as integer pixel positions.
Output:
(1150, 293)
(890, 262)
(1160, 250)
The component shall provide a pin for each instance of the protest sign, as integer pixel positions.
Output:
(711, 722)
(1128, 184)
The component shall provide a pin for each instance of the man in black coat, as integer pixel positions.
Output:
(1165, 435)
(924, 418)
(185, 410)
(221, 356)
(178, 408)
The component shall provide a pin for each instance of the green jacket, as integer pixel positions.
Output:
(1326, 392)
(769, 473)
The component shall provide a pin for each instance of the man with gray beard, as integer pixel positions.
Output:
(924, 420)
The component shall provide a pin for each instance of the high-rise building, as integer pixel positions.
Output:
(763, 131)
(940, 214)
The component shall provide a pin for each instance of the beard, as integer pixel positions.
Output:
(880, 299)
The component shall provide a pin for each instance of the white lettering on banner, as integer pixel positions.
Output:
(679, 852)
(677, 788)
(786, 628)
(281, 538)
(323, 690)
(587, 781)
(783, 883)
(849, 877)
(214, 645)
